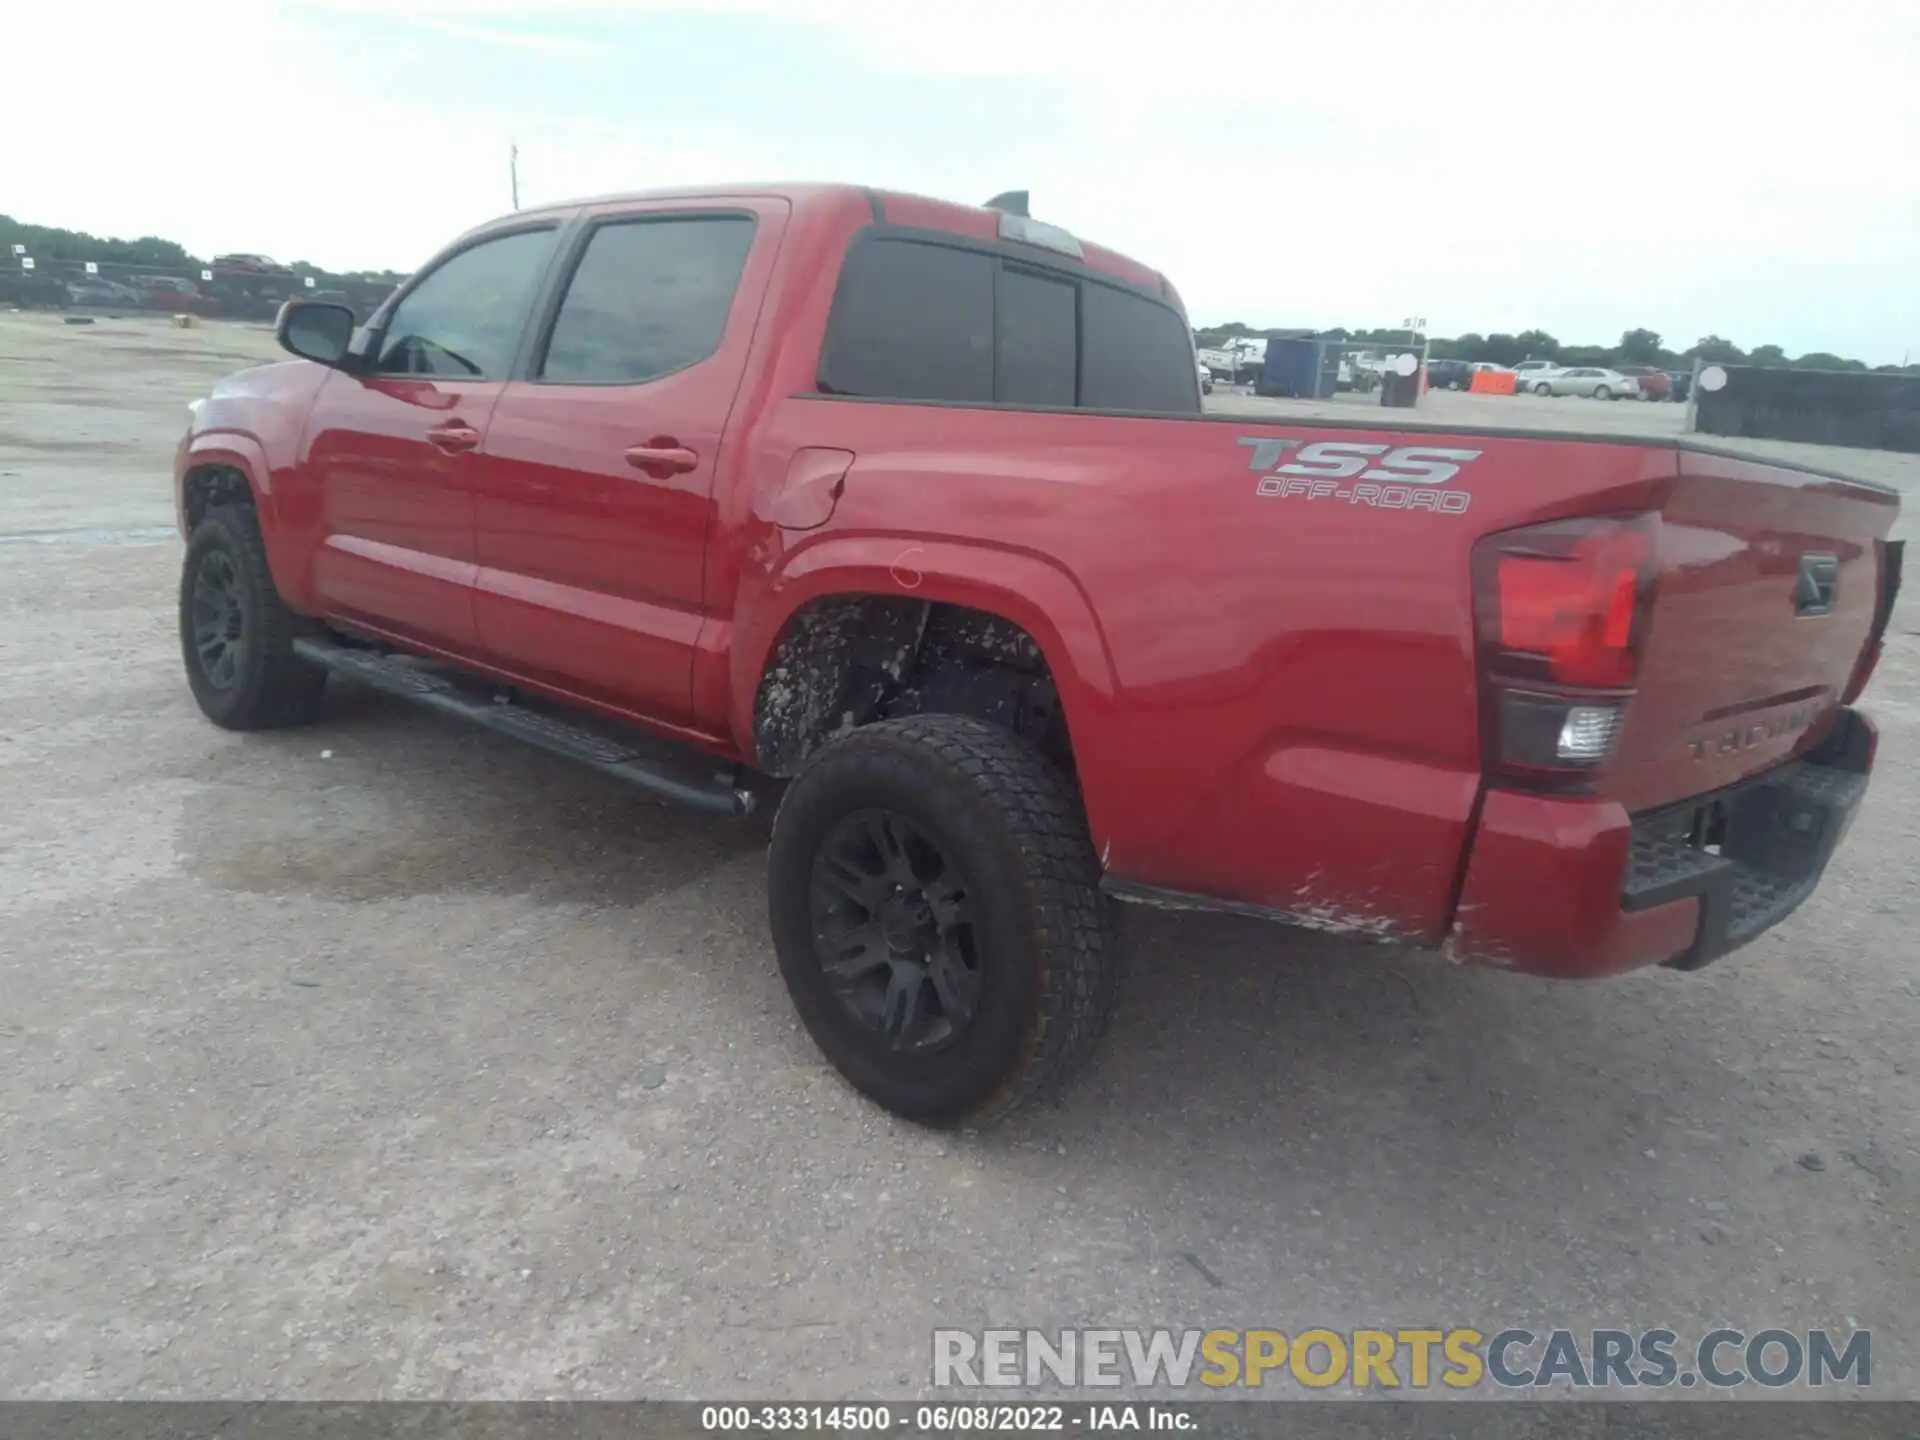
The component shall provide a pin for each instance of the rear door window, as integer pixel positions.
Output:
(649, 297)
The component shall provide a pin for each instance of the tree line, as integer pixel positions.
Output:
(1636, 347)
(148, 252)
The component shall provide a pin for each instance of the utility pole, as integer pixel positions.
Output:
(513, 172)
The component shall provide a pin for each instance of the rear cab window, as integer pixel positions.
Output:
(912, 322)
(930, 318)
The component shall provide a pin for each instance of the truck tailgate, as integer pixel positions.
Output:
(1768, 593)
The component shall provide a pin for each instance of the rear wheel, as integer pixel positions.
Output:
(236, 635)
(936, 911)
(1543, 388)
(1601, 392)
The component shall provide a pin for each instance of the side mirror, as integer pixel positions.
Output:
(316, 330)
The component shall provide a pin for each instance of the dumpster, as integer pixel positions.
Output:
(1305, 369)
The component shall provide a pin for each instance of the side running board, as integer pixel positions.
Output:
(399, 676)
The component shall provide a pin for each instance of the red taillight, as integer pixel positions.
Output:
(1569, 597)
(1562, 613)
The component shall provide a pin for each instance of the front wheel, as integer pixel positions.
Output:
(1543, 389)
(236, 634)
(936, 911)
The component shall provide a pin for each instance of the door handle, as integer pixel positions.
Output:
(662, 457)
(453, 437)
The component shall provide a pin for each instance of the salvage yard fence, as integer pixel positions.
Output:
(1819, 407)
(228, 292)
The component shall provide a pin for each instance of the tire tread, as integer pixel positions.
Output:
(1072, 922)
(286, 690)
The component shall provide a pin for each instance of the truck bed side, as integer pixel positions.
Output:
(1293, 720)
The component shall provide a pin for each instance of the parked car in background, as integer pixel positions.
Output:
(1449, 374)
(1654, 383)
(257, 264)
(33, 290)
(1358, 376)
(94, 290)
(1369, 367)
(339, 297)
(1206, 377)
(1531, 371)
(1592, 381)
(1682, 384)
(166, 292)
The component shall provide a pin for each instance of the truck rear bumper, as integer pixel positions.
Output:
(1578, 888)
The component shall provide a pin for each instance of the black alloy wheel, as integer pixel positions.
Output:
(218, 620)
(894, 931)
(236, 633)
(936, 910)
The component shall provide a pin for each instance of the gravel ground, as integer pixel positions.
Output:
(388, 1059)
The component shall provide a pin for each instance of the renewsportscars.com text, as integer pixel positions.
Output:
(1403, 1358)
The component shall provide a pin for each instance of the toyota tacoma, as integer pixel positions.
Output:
(905, 517)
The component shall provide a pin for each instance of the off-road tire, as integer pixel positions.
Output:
(1044, 940)
(270, 685)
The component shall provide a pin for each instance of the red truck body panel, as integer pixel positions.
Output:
(1721, 661)
(1271, 686)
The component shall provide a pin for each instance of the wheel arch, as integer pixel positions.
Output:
(895, 575)
(209, 468)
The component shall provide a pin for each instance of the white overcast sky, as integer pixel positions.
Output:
(1695, 166)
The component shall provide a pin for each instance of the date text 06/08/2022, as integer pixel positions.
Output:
(946, 1419)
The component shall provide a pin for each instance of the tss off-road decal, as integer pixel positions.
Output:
(1386, 477)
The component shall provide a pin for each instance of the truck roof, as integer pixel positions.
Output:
(890, 207)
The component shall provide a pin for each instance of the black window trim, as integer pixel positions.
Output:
(375, 331)
(573, 249)
(1005, 252)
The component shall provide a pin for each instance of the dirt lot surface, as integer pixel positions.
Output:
(388, 1059)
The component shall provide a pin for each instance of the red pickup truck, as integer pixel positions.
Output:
(908, 514)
